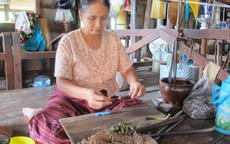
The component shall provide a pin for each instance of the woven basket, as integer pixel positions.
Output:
(188, 72)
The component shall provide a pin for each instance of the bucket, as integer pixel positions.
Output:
(221, 101)
(21, 140)
(187, 72)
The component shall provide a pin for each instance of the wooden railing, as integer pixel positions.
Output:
(167, 35)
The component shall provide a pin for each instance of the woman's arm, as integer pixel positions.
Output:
(95, 99)
(136, 88)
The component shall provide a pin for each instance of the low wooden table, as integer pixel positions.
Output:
(84, 126)
(80, 127)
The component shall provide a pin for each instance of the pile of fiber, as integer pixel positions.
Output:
(109, 137)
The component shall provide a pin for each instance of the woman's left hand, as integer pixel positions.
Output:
(136, 90)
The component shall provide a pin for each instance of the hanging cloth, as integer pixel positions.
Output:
(158, 10)
(195, 8)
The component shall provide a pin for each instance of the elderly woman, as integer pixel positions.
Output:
(87, 60)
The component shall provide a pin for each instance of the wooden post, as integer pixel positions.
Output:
(17, 61)
(203, 47)
(146, 24)
(133, 26)
(169, 24)
(133, 18)
(7, 49)
(37, 6)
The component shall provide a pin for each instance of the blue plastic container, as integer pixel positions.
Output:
(221, 101)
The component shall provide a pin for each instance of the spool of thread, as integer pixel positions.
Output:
(158, 9)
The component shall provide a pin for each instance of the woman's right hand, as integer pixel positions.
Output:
(97, 100)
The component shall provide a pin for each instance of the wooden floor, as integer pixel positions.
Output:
(12, 102)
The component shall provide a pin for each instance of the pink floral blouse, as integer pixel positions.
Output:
(90, 68)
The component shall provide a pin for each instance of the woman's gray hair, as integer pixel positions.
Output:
(84, 3)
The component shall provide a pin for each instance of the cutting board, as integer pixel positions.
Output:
(80, 127)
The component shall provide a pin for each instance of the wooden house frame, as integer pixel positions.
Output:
(167, 35)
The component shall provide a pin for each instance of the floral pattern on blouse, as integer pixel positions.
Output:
(95, 69)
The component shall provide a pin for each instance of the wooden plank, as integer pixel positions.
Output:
(9, 68)
(144, 41)
(80, 127)
(23, 94)
(199, 34)
(38, 55)
(17, 61)
(135, 32)
(207, 34)
(7, 57)
(12, 102)
(142, 64)
(7, 27)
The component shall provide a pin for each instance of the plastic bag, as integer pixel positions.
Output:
(198, 104)
(63, 16)
(41, 81)
(22, 22)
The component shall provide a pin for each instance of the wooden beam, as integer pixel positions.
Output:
(38, 55)
(37, 6)
(203, 47)
(142, 64)
(9, 68)
(133, 18)
(17, 61)
(144, 41)
(135, 32)
(206, 34)
(199, 59)
(7, 27)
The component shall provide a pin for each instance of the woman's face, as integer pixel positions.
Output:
(94, 18)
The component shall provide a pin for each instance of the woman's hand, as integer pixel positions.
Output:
(97, 100)
(136, 90)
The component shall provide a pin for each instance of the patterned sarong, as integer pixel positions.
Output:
(45, 127)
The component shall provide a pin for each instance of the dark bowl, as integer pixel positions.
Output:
(177, 92)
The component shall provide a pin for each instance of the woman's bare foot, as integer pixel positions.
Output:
(30, 112)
